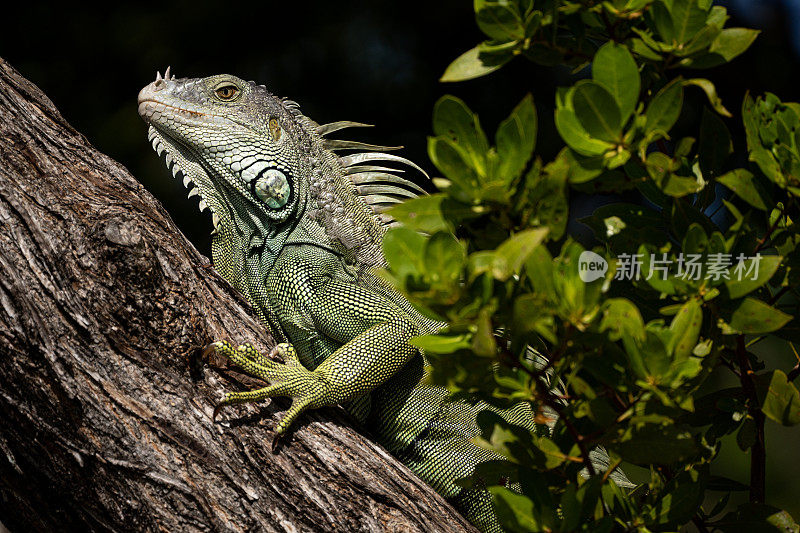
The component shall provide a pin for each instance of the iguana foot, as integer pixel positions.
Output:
(307, 389)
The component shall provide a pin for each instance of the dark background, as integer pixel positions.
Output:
(376, 62)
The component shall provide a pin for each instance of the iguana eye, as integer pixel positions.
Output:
(273, 188)
(227, 92)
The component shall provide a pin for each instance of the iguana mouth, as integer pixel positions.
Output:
(154, 102)
(149, 107)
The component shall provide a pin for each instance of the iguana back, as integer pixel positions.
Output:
(298, 229)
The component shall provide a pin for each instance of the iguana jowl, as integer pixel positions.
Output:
(298, 230)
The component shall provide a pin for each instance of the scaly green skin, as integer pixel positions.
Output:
(294, 233)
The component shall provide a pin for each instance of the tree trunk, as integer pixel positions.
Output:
(104, 310)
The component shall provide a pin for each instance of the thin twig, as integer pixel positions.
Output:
(758, 457)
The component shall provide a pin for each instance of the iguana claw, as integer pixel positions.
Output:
(290, 378)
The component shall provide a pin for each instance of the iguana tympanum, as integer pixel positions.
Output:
(298, 230)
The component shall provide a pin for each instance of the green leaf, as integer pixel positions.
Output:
(715, 144)
(743, 184)
(711, 93)
(532, 314)
(755, 316)
(543, 54)
(402, 249)
(499, 20)
(685, 328)
(475, 63)
(661, 169)
(662, 21)
(456, 165)
(422, 214)
(483, 341)
(512, 253)
(516, 513)
(717, 17)
(766, 268)
(576, 135)
(730, 43)
(701, 41)
(548, 197)
(615, 69)
(479, 263)
(782, 400)
(453, 120)
(750, 121)
(581, 168)
(680, 499)
(687, 19)
(621, 317)
(443, 344)
(444, 257)
(516, 443)
(597, 111)
(695, 239)
(516, 139)
(665, 108)
(539, 268)
(641, 49)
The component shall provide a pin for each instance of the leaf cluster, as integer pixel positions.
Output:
(612, 347)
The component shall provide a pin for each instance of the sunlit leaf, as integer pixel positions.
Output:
(616, 70)
(755, 316)
(730, 43)
(511, 255)
(711, 93)
(753, 273)
(403, 248)
(782, 400)
(474, 64)
(499, 20)
(443, 344)
(743, 184)
(516, 139)
(597, 111)
(453, 120)
(686, 329)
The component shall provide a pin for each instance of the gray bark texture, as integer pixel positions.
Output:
(106, 408)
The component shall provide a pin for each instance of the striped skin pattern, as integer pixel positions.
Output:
(298, 230)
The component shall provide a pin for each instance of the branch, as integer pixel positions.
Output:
(107, 425)
(758, 459)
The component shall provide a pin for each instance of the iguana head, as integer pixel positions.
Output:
(231, 139)
(262, 167)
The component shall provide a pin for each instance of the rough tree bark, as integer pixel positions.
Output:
(106, 419)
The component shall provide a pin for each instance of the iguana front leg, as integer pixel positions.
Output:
(375, 333)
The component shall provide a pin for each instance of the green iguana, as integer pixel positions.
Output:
(298, 230)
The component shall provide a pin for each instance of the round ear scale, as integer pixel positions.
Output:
(273, 188)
